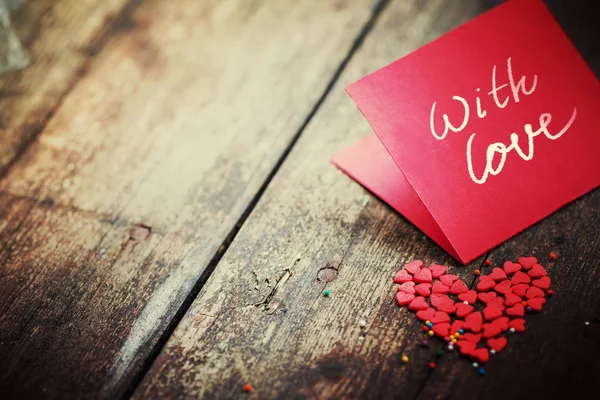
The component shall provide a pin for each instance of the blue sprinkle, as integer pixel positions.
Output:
(461, 331)
(481, 371)
(429, 325)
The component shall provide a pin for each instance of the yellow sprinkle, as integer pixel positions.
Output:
(430, 333)
(427, 322)
(404, 359)
(454, 340)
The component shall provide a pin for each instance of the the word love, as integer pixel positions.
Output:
(501, 99)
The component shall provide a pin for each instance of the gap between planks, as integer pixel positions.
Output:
(376, 11)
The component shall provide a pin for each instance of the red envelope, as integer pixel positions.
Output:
(483, 132)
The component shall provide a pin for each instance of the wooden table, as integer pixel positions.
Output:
(169, 217)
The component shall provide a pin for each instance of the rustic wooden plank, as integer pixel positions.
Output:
(261, 318)
(53, 32)
(176, 125)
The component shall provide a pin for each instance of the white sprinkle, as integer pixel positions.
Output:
(465, 302)
(587, 323)
(475, 365)
(450, 347)
(512, 330)
(361, 338)
(492, 351)
(362, 323)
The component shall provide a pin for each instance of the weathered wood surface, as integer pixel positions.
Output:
(55, 33)
(176, 125)
(261, 318)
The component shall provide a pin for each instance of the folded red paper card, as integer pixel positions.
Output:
(482, 132)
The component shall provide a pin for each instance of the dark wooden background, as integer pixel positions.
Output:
(169, 217)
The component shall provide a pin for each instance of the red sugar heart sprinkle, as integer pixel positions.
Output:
(497, 274)
(486, 297)
(485, 283)
(441, 330)
(439, 287)
(438, 299)
(536, 303)
(457, 325)
(462, 310)
(482, 354)
(418, 303)
(403, 276)
(497, 302)
(407, 287)
(426, 315)
(533, 292)
(448, 279)
(511, 267)
(472, 337)
(491, 330)
(497, 344)
(503, 287)
(542, 283)
(510, 299)
(470, 296)
(501, 323)
(459, 287)
(474, 322)
(423, 289)
(437, 270)
(447, 307)
(414, 266)
(520, 277)
(527, 262)
(440, 317)
(404, 298)
(520, 290)
(466, 347)
(516, 311)
(537, 271)
(491, 312)
(517, 324)
(423, 276)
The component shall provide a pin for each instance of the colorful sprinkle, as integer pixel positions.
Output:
(326, 292)
(430, 325)
(362, 323)
(552, 256)
(425, 343)
(424, 328)
(481, 371)
(450, 347)
(549, 292)
(512, 330)
(439, 353)
(431, 365)
(488, 262)
(477, 272)
(404, 359)
(247, 387)
(461, 331)
(475, 365)
(430, 333)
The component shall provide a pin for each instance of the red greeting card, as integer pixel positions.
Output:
(483, 132)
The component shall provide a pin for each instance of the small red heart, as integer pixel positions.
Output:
(473, 337)
(442, 329)
(542, 283)
(418, 303)
(520, 277)
(404, 298)
(423, 289)
(503, 287)
(491, 312)
(497, 302)
(462, 310)
(447, 307)
(497, 344)
(491, 330)
(407, 287)
(457, 325)
(440, 317)
(533, 292)
(439, 287)
(536, 303)
(459, 287)
(448, 279)
(466, 347)
(402, 276)
(537, 271)
(516, 311)
(510, 299)
(470, 296)
(426, 315)
(486, 297)
(437, 270)
(527, 262)
(497, 274)
(485, 283)
(482, 354)
(474, 321)
(501, 323)
(517, 324)
(437, 299)
(520, 290)
(511, 267)
(423, 276)
(414, 266)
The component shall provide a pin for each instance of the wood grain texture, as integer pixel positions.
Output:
(175, 126)
(54, 33)
(261, 318)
